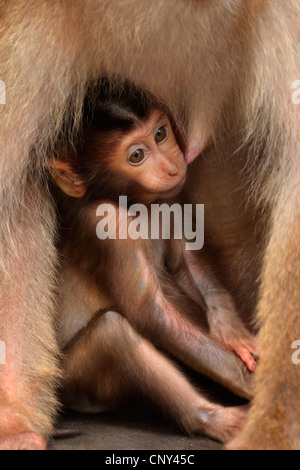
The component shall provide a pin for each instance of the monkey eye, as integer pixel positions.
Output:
(137, 156)
(161, 134)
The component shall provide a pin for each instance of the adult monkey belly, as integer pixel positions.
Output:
(226, 75)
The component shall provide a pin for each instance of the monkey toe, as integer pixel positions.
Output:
(225, 423)
(23, 441)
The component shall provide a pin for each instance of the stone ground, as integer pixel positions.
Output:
(136, 425)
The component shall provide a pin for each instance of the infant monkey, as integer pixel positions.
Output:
(118, 301)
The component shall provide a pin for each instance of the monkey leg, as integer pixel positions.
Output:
(274, 419)
(107, 360)
(93, 365)
(27, 385)
(163, 319)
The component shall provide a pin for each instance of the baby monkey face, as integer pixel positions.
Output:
(150, 156)
(147, 157)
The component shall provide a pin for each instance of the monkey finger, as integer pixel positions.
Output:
(246, 357)
(251, 347)
(241, 336)
(233, 338)
(242, 348)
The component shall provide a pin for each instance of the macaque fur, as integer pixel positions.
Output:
(128, 145)
(233, 70)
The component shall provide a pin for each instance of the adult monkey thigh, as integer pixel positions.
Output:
(230, 66)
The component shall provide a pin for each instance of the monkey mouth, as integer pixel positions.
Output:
(175, 189)
(181, 182)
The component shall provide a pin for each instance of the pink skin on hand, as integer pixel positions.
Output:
(247, 358)
(244, 349)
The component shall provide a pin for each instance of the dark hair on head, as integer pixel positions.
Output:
(112, 108)
(115, 104)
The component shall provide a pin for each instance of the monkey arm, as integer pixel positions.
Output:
(136, 289)
(223, 319)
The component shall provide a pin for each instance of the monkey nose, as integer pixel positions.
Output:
(173, 169)
(168, 165)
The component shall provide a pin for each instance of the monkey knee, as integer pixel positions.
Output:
(111, 325)
(111, 319)
(116, 327)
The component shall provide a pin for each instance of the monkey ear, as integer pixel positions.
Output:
(66, 179)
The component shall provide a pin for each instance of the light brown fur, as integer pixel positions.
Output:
(229, 63)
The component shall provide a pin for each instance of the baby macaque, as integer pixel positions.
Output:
(121, 298)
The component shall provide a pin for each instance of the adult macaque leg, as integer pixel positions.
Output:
(107, 360)
(276, 405)
(27, 385)
(230, 54)
(29, 376)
